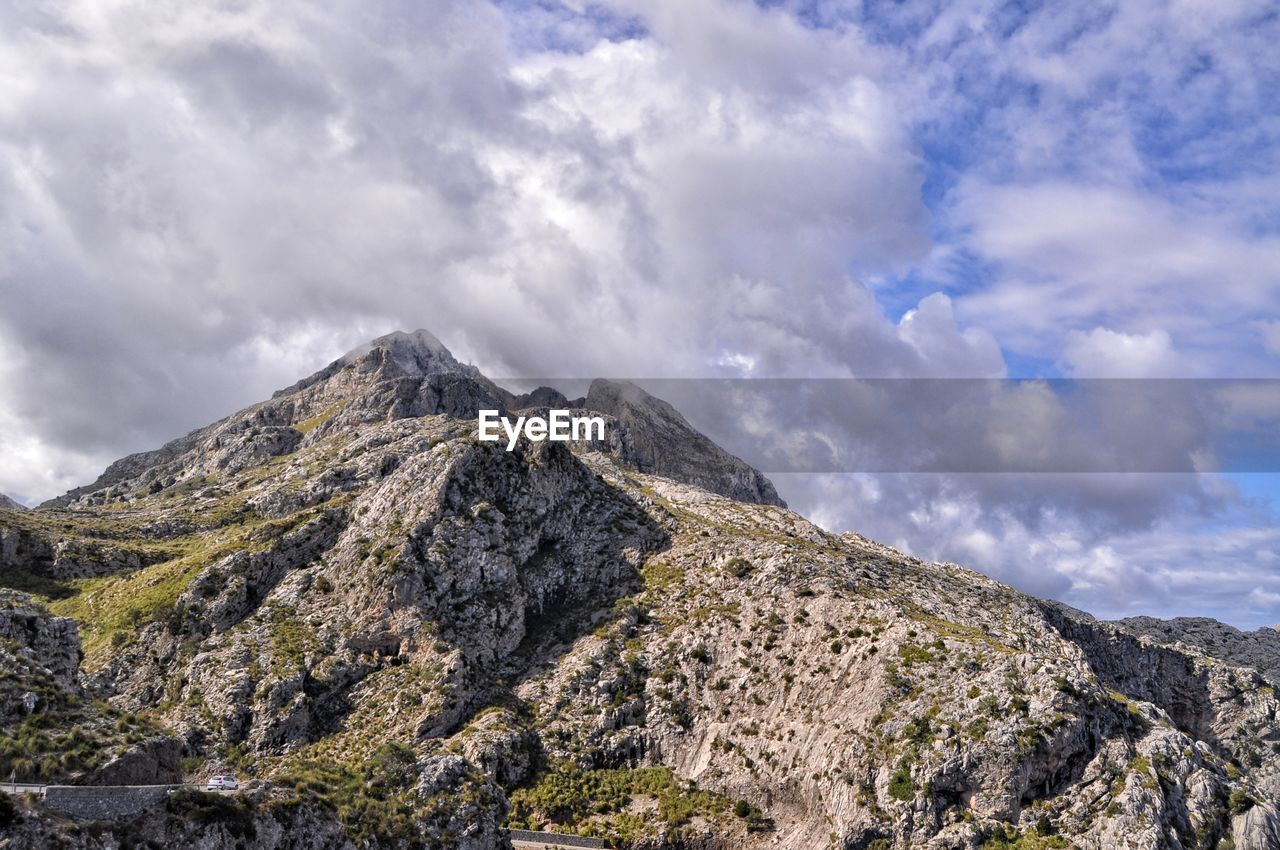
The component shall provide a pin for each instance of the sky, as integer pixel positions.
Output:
(200, 203)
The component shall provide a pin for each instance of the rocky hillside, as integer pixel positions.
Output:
(408, 637)
(52, 728)
(1259, 649)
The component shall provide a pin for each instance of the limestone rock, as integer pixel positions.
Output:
(51, 642)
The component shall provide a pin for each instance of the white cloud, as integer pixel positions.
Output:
(1113, 545)
(188, 192)
(931, 329)
(1104, 353)
(1071, 258)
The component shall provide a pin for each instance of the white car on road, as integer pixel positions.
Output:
(221, 783)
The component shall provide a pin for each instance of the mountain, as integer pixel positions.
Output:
(404, 636)
(1259, 649)
(7, 504)
(410, 375)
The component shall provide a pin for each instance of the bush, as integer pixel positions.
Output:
(232, 812)
(901, 785)
(371, 797)
(738, 567)
(8, 811)
(1239, 802)
(567, 795)
(741, 808)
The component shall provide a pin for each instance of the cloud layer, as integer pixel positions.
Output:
(198, 204)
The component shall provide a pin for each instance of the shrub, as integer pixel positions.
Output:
(738, 567)
(567, 795)
(232, 812)
(1239, 802)
(912, 654)
(901, 785)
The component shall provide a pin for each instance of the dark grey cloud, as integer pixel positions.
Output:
(989, 425)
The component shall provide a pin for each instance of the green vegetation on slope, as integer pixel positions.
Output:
(66, 736)
(596, 802)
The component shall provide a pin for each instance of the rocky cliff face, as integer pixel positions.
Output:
(1259, 649)
(52, 728)
(412, 635)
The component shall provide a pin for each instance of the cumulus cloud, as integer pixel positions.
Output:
(1104, 353)
(200, 206)
(1070, 259)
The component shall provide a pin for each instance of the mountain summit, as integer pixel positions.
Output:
(418, 352)
(405, 375)
(400, 636)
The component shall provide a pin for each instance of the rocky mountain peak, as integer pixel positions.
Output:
(1258, 649)
(10, 504)
(412, 375)
(417, 352)
(663, 443)
(397, 354)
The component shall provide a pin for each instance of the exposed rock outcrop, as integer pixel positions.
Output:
(51, 643)
(51, 730)
(1259, 649)
(409, 375)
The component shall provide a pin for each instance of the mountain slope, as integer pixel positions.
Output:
(1259, 649)
(344, 594)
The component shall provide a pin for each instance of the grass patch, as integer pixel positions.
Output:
(306, 426)
(291, 639)
(120, 605)
(593, 802)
